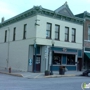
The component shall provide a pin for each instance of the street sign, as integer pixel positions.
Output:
(46, 52)
(30, 62)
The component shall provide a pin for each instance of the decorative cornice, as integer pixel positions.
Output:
(86, 14)
(62, 17)
(64, 7)
(42, 11)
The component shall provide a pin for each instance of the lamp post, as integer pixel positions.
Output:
(35, 46)
(52, 57)
(35, 56)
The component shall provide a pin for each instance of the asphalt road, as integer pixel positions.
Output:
(8, 82)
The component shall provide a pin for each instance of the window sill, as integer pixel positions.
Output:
(24, 38)
(56, 64)
(62, 65)
(57, 39)
(66, 41)
(71, 64)
(48, 38)
(87, 40)
(73, 42)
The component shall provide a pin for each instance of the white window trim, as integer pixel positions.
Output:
(87, 40)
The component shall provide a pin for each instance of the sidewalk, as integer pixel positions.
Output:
(32, 75)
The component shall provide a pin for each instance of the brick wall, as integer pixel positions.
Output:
(86, 43)
(86, 24)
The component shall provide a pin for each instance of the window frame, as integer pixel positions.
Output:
(71, 58)
(57, 32)
(14, 33)
(67, 34)
(49, 30)
(5, 39)
(74, 35)
(24, 31)
(57, 60)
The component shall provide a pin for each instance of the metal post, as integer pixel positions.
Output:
(35, 56)
(52, 60)
(83, 44)
(48, 57)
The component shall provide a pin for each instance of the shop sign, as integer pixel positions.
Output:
(64, 49)
(30, 62)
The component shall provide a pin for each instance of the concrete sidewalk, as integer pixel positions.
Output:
(32, 75)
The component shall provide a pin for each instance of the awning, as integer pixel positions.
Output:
(87, 54)
(58, 52)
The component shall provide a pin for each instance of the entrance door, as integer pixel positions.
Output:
(79, 64)
(37, 63)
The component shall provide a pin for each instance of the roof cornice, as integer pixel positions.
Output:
(42, 11)
(86, 14)
(65, 6)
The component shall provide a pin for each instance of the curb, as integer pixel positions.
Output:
(36, 77)
(56, 76)
(13, 74)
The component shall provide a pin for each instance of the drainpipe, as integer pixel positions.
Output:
(8, 47)
(83, 44)
(52, 57)
(35, 48)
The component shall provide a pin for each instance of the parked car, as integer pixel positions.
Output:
(89, 74)
(86, 72)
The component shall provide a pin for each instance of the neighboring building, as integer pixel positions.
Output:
(86, 38)
(35, 33)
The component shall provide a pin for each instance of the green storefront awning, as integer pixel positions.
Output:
(87, 54)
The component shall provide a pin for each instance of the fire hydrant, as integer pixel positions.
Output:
(9, 69)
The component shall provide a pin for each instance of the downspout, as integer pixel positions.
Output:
(83, 44)
(8, 48)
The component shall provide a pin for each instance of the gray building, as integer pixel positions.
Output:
(28, 39)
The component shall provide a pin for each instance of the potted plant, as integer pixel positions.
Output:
(47, 72)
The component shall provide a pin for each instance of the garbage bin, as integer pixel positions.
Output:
(61, 70)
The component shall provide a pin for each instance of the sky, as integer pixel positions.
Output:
(11, 8)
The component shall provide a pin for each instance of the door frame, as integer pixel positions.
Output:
(35, 64)
(79, 64)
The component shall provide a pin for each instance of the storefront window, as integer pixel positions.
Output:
(57, 60)
(70, 59)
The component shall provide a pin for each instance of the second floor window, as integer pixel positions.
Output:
(14, 33)
(48, 30)
(66, 33)
(57, 27)
(89, 33)
(24, 32)
(73, 34)
(5, 36)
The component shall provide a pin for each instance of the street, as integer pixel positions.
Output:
(8, 82)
